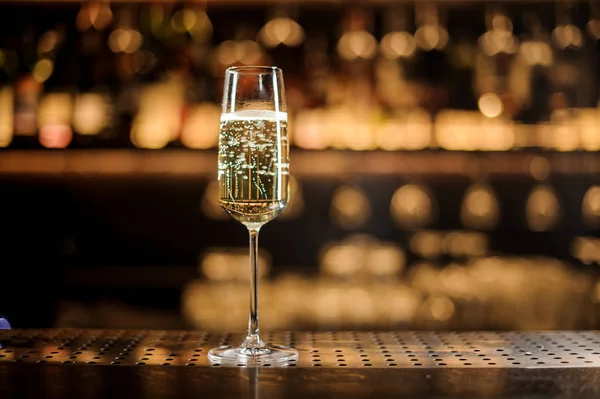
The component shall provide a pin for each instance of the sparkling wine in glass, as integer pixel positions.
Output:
(253, 183)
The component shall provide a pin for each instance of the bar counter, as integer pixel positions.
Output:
(89, 363)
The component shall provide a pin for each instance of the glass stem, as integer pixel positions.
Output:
(253, 340)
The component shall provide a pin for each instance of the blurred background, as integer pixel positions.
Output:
(444, 162)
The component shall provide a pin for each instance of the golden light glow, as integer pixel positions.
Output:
(232, 264)
(342, 259)
(470, 131)
(189, 19)
(350, 207)
(494, 42)
(456, 130)
(427, 244)
(55, 135)
(249, 52)
(358, 44)
(348, 128)
(567, 36)
(542, 209)
(310, 133)
(593, 27)
(431, 36)
(43, 70)
(497, 135)
(183, 20)
(590, 208)
(498, 286)
(546, 138)
(25, 118)
(202, 27)
(231, 52)
(501, 22)
(586, 249)
(539, 168)
(125, 40)
(200, 308)
(466, 244)
(390, 136)
(537, 53)
(6, 115)
(455, 281)
(398, 44)
(440, 307)
(565, 137)
(422, 276)
(490, 105)
(362, 255)
(282, 31)
(413, 207)
(201, 127)
(358, 135)
(295, 205)
(412, 131)
(54, 117)
(48, 41)
(95, 13)
(402, 304)
(83, 20)
(500, 38)
(588, 121)
(150, 132)
(55, 108)
(385, 260)
(227, 53)
(159, 115)
(90, 114)
(480, 209)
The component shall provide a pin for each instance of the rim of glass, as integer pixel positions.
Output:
(253, 70)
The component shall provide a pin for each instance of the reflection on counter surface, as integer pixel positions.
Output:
(173, 364)
(444, 166)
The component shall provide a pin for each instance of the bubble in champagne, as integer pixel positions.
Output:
(253, 165)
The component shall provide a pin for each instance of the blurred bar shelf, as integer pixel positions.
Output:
(268, 2)
(306, 163)
(145, 363)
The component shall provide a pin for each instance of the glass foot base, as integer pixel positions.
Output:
(238, 356)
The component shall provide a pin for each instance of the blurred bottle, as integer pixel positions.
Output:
(543, 207)
(8, 60)
(56, 68)
(534, 59)
(26, 98)
(28, 89)
(494, 64)
(398, 48)
(480, 208)
(432, 69)
(94, 101)
(573, 70)
(317, 67)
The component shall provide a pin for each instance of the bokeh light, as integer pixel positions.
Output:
(43, 69)
(490, 105)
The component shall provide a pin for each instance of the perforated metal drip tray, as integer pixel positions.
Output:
(317, 349)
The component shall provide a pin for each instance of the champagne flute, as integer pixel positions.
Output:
(253, 183)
